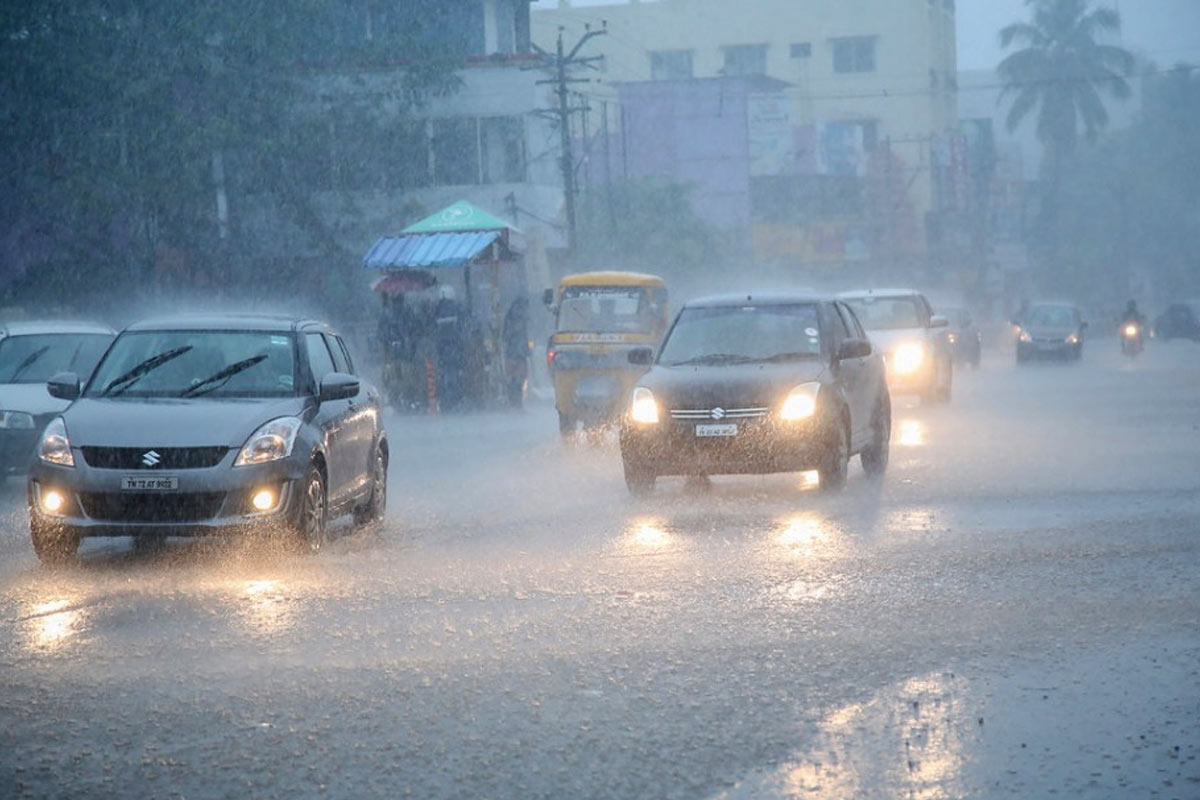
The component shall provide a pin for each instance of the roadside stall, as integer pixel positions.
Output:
(445, 285)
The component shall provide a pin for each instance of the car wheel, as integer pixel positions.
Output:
(54, 544)
(309, 530)
(372, 511)
(874, 457)
(832, 473)
(639, 480)
(947, 389)
(566, 425)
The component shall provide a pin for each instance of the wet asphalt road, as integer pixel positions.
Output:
(1013, 613)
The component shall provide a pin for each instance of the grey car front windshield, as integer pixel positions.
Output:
(744, 333)
(886, 313)
(193, 363)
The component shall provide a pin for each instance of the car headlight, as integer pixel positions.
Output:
(908, 358)
(1074, 338)
(953, 338)
(643, 407)
(801, 402)
(55, 446)
(271, 442)
(16, 420)
(1025, 337)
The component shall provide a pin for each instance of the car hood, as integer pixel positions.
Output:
(728, 386)
(172, 422)
(32, 398)
(888, 340)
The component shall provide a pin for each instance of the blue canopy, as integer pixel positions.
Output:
(424, 250)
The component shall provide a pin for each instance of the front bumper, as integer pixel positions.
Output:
(210, 500)
(761, 445)
(1047, 348)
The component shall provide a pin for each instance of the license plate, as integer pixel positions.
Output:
(159, 483)
(717, 429)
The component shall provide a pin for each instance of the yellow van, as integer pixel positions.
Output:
(599, 318)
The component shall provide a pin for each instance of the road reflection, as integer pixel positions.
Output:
(804, 534)
(51, 624)
(910, 433)
(263, 606)
(647, 535)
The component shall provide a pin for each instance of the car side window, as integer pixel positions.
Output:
(341, 361)
(346, 352)
(319, 360)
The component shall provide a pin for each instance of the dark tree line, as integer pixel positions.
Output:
(133, 128)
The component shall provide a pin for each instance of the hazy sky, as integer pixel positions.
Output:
(1168, 31)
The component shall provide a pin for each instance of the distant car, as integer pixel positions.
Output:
(966, 342)
(1179, 321)
(913, 339)
(208, 424)
(1050, 330)
(30, 352)
(751, 384)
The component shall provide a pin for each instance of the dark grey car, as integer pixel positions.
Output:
(207, 424)
(758, 384)
(1050, 330)
(30, 353)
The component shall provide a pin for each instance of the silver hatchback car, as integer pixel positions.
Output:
(207, 424)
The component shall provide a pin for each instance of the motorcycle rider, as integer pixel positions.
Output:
(1132, 342)
(1133, 315)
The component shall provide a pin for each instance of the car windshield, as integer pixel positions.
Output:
(740, 334)
(886, 313)
(35, 358)
(605, 309)
(191, 363)
(1052, 316)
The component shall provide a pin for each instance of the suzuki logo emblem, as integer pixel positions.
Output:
(151, 458)
(717, 413)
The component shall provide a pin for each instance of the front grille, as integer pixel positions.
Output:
(135, 507)
(707, 413)
(165, 457)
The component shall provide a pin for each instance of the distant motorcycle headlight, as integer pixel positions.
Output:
(801, 402)
(16, 420)
(55, 446)
(1074, 339)
(271, 442)
(1025, 337)
(1131, 330)
(908, 358)
(643, 408)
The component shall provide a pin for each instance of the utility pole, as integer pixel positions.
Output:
(560, 63)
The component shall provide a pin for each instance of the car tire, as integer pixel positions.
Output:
(946, 391)
(309, 528)
(832, 472)
(874, 457)
(639, 480)
(372, 511)
(566, 426)
(54, 544)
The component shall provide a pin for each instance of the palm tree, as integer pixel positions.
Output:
(1062, 71)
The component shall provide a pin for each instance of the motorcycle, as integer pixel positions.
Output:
(1131, 338)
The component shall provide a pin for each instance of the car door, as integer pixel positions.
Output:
(362, 421)
(853, 374)
(333, 419)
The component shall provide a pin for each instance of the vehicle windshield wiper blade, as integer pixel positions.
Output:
(715, 358)
(130, 377)
(796, 355)
(218, 379)
(28, 362)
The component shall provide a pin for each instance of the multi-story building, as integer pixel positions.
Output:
(842, 171)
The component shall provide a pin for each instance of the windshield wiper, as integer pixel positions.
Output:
(218, 379)
(792, 356)
(28, 362)
(132, 376)
(715, 358)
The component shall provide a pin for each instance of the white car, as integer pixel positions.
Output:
(913, 339)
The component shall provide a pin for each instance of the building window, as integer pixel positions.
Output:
(455, 151)
(854, 54)
(746, 59)
(502, 149)
(670, 65)
(801, 49)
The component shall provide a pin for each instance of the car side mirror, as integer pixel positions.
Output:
(854, 348)
(338, 386)
(548, 297)
(64, 386)
(938, 321)
(641, 356)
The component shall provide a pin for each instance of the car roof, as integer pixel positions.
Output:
(858, 294)
(777, 298)
(612, 278)
(228, 322)
(42, 326)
